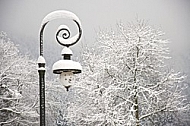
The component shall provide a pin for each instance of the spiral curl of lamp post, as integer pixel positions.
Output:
(64, 39)
(64, 33)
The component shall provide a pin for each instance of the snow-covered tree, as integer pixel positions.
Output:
(58, 101)
(18, 86)
(56, 104)
(126, 82)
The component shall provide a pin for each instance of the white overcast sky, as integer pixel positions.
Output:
(23, 17)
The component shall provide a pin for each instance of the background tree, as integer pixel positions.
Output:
(18, 86)
(126, 81)
(57, 101)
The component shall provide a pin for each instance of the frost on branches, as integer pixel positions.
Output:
(18, 85)
(125, 81)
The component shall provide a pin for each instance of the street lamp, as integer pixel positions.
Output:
(65, 67)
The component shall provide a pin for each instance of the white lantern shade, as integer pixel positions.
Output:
(66, 66)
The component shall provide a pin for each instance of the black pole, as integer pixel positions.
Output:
(41, 72)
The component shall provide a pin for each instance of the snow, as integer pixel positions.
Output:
(41, 68)
(3, 86)
(30, 114)
(15, 94)
(66, 65)
(41, 59)
(60, 14)
(66, 50)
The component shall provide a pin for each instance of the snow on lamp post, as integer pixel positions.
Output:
(65, 67)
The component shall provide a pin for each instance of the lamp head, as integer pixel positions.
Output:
(66, 68)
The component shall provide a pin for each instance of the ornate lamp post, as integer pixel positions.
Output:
(65, 67)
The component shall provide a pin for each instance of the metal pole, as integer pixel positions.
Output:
(41, 72)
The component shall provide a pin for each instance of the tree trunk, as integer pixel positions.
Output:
(136, 109)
